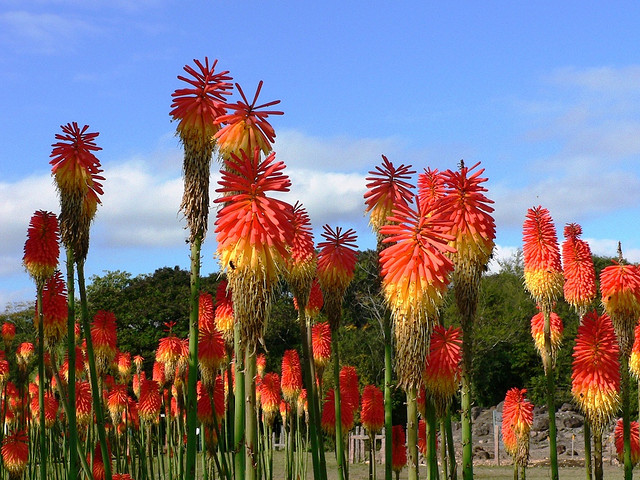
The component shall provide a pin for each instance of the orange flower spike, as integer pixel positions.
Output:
(15, 453)
(579, 273)
(321, 343)
(138, 361)
(54, 308)
(253, 230)
(422, 437)
(42, 248)
(104, 338)
(635, 441)
(224, 311)
(261, 364)
(206, 317)
(8, 332)
(620, 290)
(596, 370)
(150, 401)
(328, 416)
(543, 275)
(302, 265)
(314, 305)
(473, 226)
(247, 128)
(372, 414)
(398, 448)
(431, 189)
(442, 373)
(211, 354)
(123, 362)
(84, 405)
(270, 396)
(197, 108)
(291, 381)
(117, 401)
(556, 329)
(387, 187)
(349, 388)
(634, 360)
(414, 267)
(517, 418)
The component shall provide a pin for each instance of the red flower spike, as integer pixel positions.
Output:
(398, 448)
(387, 188)
(635, 442)
(211, 353)
(84, 403)
(224, 311)
(431, 189)
(8, 332)
(253, 230)
(596, 370)
(270, 396)
(42, 248)
(442, 373)
(634, 360)
(138, 361)
(556, 329)
(198, 107)
(247, 128)
(150, 402)
(470, 212)
(579, 273)
(620, 289)
(349, 388)
(301, 267)
(517, 418)
(543, 275)
(291, 380)
(321, 344)
(372, 414)
(261, 363)
(337, 259)
(54, 308)
(117, 401)
(104, 338)
(15, 453)
(206, 317)
(328, 416)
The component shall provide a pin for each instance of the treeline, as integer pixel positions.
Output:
(504, 352)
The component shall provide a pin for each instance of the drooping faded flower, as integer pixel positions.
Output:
(291, 380)
(77, 175)
(556, 329)
(387, 188)
(253, 231)
(336, 267)
(442, 372)
(620, 289)
(42, 249)
(247, 128)
(270, 397)
(15, 453)
(596, 370)
(415, 275)
(398, 448)
(517, 418)
(372, 413)
(579, 273)
(197, 108)
(543, 275)
(635, 441)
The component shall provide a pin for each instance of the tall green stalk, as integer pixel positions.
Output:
(71, 360)
(192, 379)
(551, 393)
(93, 377)
(597, 447)
(388, 407)
(412, 434)
(340, 456)
(238, 429)
(43, 444)
(467, 441)
(453, 466)
(432, 457)
(587, 449)
(626, 414)
(251, 423)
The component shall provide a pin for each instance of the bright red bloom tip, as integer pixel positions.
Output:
(635, 441)
(24, 353)
(253, 230)
(517, 418)
(372, 413)
(328, 416)
(42, 248)
(414, 267)
(15, 453)
(349, 388)
(579, 273)
(117, 401)
(620, 289)
(198, 107)
(442, 371)
(270, 396)
(261, 364)
(634, 360)
(149, 402)
(54, 309)
(596, 369)
(224, 310)
(75, 167)
(398, 448)
(206, 317)
(84, 405)
(473, 226)
(291, 380)
(431, 189)
(211, 351)
(321, 343)
(247, 128)
(8, 332)
(336, 259)
(387, 188)
(104, 337)
(556, 329)
(542, 268)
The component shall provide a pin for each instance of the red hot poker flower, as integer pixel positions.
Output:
(321, 344)
(270, 396)
(556, 330)
(15, 453)
(104, 338)
(635, 441)
(8, 332)
(291, 380)
(302, 264)
(398, 449)
(543, 275)
(41, 250)
(431, 189)
(206, 318)
(372, 414)
(442, 373)
(247, 128)
(634, 360)
(224, 311)
(349, 388)
(54, 309)
(579, 273)
(517, 418)
(387, 188)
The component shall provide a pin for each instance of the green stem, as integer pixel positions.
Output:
(43, 444)
(551, 393)
(412, 434)
(338, 409)
(238, 439)
(251, 438)
(432, 453)
(191, 406)
(388, 403)
(95, 392)
(443, 447)
(71, 360)
(597, 455)
(453, 466)
(587, 449)
(626, 415)
(467, 441)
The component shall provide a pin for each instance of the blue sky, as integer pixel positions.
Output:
(545, 94)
